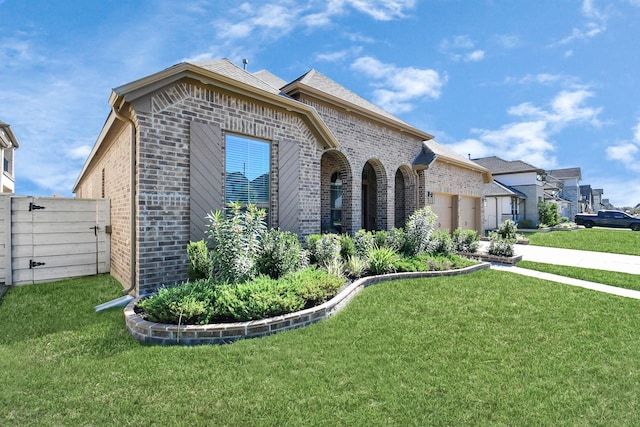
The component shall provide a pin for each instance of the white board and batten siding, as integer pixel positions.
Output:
(54, 238)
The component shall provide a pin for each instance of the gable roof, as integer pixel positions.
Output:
(499, 166)
(566, 173)
(497, 189)
(432, 150)
(322, 87)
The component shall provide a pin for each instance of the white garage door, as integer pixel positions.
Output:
(443, 209)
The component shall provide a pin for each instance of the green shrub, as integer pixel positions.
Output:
(410, 264)
(314, 286)
(187, 303)
(548, 213)
(466, 240)
(355, 266)
(327, 249)
(441, 243)
(347, 247)
(420, 226)
(200, 263)
(380, 238)
(397, 240)
(235, 241)
(500, 246)
(312, 243)
(364, 242)
(257, 299)
(382, 260)
(281, 253)
(508, 230)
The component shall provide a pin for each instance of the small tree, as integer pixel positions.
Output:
(548, 213)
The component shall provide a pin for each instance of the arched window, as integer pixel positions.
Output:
(336, 203)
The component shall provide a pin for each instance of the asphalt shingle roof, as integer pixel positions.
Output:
(498, 166)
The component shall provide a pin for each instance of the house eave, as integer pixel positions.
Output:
(130, 92)
(301, 88)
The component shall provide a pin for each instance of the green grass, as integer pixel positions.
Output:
(620, 280)
(590, 239)
(489, 348)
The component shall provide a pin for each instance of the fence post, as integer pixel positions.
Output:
(5, 208)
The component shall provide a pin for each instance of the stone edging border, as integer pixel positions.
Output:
(224, 333)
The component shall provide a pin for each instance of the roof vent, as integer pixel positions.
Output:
(245, 61)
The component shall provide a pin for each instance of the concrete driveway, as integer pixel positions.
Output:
(584, 259)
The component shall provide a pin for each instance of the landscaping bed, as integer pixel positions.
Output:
(224, 333)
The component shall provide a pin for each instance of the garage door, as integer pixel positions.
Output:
(468, 213)
(443, 209)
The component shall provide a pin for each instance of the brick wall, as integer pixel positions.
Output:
(109, 177)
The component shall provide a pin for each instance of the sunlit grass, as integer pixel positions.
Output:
(590, 239)
(489, 348)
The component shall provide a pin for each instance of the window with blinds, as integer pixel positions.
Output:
(247, 171)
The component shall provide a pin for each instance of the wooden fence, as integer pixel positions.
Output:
(49, 238)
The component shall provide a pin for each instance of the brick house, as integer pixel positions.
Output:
(570, 178)
(184, 141)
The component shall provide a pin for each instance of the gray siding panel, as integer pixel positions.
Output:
(206, 175)
(288, 186)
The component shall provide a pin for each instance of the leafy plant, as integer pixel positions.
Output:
(347, 247)
(314, 286)
(187, 303)
(508, 230)
(382, 260)
(441, 243)
(526, 223)
(380, 238)
(420, 226)
(397, 240)
(326, 249)
(281, 253)
(466, 240)
(548, 213)
(200, 263)
(355, 266)
(364, 242)
(235, 241)
(500, 246)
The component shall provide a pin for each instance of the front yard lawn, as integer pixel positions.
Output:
(480, 349)
(590, 239)
(612, 278)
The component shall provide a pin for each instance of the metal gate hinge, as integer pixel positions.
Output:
(33, 206)
(33, 264)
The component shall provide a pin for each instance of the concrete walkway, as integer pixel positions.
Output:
(584, 259)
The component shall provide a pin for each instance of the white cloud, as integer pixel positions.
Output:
(338, 55)
(81, 152)
(398, 87)
(507, 41)
(627, 152)
(461, 48)
(530, 139)
(382, 10)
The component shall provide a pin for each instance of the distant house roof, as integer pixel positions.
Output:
(499, 166)
(567, 173)
(498, 189)
(7, 138)
(585, 190)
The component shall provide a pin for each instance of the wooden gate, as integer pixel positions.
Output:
(54, 238)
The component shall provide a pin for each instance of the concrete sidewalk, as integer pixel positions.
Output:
(584, 259)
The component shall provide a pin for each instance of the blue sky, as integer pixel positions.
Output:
(554, 83)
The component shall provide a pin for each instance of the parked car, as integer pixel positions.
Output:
(607, 218)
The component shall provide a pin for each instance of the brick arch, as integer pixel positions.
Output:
(333, 161)
(374, 196)
(404, 195)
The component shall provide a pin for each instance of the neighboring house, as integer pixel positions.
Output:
(597, 199)
(570, 192)
(8, 145)
(186, 140)
(586, 199)
(525, 185)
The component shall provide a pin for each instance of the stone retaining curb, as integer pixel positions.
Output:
(224, 333)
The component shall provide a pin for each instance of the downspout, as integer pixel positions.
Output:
(132, 196)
